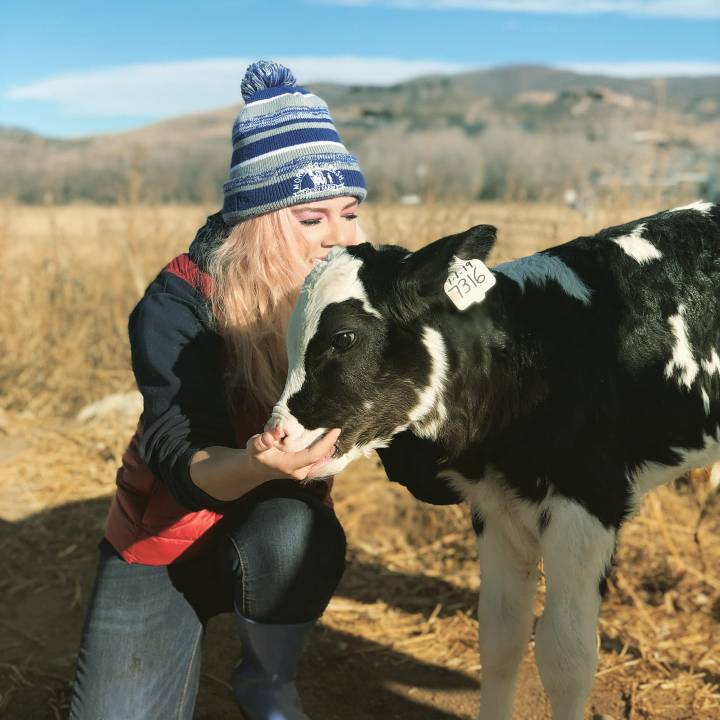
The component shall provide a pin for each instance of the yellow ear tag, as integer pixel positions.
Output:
(468, 282)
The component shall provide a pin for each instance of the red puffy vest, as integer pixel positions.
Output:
(145, 523)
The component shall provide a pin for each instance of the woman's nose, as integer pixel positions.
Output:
(343, 232)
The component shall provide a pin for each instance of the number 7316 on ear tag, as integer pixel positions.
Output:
(468, 282)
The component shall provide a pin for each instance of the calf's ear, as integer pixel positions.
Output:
(431, 263)
(424, 272)
(475, 242)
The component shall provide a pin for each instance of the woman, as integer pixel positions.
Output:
(208, 516)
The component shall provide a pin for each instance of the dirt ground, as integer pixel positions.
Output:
(399, 639)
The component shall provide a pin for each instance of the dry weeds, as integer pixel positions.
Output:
(71, 274)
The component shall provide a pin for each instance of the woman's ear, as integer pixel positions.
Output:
(424, 273)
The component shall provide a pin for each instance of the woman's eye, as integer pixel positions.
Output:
(343, 340)
(310, 222)
(350, 217)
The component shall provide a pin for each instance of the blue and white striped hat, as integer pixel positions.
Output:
(286, 149)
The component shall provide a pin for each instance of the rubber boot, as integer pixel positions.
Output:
(264, 681)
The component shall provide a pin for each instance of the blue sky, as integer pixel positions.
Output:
(85, 66)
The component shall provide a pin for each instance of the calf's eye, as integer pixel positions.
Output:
(343, 340)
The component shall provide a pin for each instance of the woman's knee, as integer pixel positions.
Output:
(291, 536)
(288, 556)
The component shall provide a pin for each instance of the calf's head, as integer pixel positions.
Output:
(364, 351)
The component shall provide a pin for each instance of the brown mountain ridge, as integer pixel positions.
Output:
(528, 131)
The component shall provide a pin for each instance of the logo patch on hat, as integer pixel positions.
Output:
(317, 178)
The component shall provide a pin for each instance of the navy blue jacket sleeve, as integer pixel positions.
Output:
(176, 359)
(414, 462)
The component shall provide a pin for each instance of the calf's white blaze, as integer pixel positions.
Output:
(333, 280)
(637, 247)
(682, 358)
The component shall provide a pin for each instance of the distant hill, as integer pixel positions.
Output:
(522, 131)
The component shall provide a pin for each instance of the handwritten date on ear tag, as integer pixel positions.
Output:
(468, 282)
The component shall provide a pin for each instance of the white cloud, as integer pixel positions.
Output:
(659, 8)
(647, 69)
(159, 90)
(172, 88)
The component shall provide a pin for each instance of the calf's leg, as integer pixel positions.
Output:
(508, 567)
(577, 550)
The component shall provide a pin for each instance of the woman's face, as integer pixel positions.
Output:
(325, 224)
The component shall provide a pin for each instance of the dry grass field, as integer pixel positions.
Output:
(399, 638)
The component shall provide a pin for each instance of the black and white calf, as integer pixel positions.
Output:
(572, 382)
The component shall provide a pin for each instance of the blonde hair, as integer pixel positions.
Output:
(257, 273)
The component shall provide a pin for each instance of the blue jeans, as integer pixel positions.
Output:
(278, 559)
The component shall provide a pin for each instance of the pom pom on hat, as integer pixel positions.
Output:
(265, 74)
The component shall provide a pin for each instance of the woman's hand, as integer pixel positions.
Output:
(265, 454)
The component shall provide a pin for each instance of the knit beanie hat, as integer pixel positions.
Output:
(286, 149)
